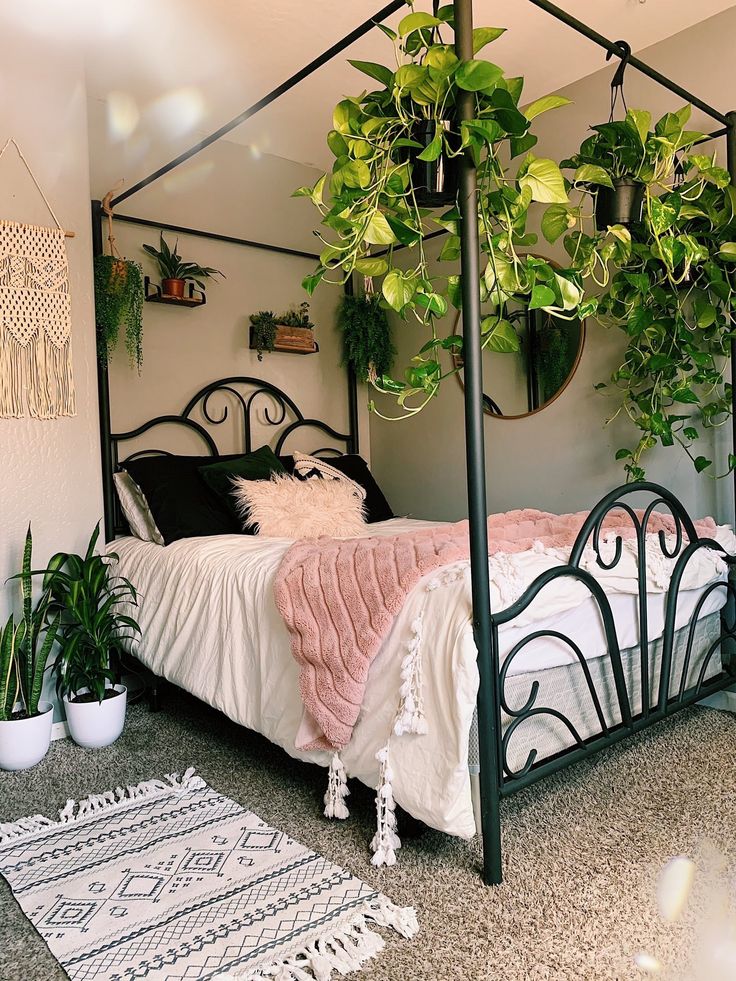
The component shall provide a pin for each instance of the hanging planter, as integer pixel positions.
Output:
(366, 336)
(118, 303)
(434, 181)
(621, 204)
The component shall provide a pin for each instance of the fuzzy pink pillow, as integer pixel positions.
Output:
(287, 507)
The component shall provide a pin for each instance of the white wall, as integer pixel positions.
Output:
(562, 458)
(227, 189)
(49, 471)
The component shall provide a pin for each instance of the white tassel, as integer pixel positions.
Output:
(410, 715)
(337, 790)
(385, 841)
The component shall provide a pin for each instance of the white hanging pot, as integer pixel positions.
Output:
(25, 742)
(96, 724)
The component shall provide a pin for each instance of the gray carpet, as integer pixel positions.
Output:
(582, 849)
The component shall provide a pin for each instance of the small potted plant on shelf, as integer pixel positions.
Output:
(175, 273)
(262, 332)
(25, 720)
(87, 597)
(292, 331)
(118, 303)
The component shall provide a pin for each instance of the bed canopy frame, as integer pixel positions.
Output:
(497, 779)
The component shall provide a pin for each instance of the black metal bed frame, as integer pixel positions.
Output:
(497, 779)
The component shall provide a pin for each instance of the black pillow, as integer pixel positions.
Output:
(258, 465)
(182, 504)
(353, 466)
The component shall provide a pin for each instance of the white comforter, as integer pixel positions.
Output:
(210, 625)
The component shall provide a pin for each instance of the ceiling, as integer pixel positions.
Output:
(163, 73)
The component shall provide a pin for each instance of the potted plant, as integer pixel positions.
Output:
(373, 185)
(118, 303)
(366, 336)
(86, 597)
(174, 272)
(262, 332)
(670, 291)
(25, 720)
(624, 160)
(291, 331)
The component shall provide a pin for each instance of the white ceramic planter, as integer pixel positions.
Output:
(96, 724)
(25, 742)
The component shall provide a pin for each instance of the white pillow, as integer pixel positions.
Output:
(135, 508)
(287, 507)
(311, 466)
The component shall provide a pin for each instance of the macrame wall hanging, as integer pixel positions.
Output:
(35, 318)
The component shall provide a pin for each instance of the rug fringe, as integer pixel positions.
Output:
(99, 804)
(345, 950)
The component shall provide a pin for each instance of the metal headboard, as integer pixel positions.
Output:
(251, 401)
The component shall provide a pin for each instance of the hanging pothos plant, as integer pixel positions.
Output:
(118, 303)
(372, 201)
(672, 292)
(366, 336)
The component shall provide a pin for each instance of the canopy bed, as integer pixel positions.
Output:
(634, 625)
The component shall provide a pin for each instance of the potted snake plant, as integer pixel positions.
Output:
(25, 720)
(86, 597)
(175, 273)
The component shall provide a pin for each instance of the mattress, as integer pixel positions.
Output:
(210, 625)
(565, 689)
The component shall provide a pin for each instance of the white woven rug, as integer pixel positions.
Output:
(170, 880)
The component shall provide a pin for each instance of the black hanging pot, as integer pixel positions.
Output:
(434, 181)
(622, 204)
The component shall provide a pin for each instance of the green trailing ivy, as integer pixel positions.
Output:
(671, 290)
(368, 203)
(366, 336)
(118, 303)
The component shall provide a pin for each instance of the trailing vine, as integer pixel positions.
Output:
(366, 336)
(118, 303)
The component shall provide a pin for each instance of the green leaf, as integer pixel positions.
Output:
(342, 114)
(686, 395)
(623, 454)
(544, 178)
(398, 289)
(381, 74)
(484, 35)
(454, 291)
(433, 302)
(432, 149)
(378, 230)
(336, 143)
(501, 336)
(520, 144)
(592, 174)
(571, 295)
(641, 122)
(728, 251)
(544, 104)
(356, 174)
(371, 267)
(555, 222)
(311, 282)
(473, 76)
(542, 296)
(417, 21)
(403, 232)
(701, 463)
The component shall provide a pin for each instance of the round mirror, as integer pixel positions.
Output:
(521, 382)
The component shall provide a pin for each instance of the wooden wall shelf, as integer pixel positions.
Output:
(153, 294)
(291, 340)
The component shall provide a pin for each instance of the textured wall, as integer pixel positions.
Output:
(49, 471)
(562, 458)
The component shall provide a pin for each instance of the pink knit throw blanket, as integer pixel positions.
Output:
(339, 599)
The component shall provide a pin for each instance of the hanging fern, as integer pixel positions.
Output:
(366, 334)
(118, 303)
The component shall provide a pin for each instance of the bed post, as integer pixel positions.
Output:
(731, 164)
(488, 728)
(103, 396)
(354, 421)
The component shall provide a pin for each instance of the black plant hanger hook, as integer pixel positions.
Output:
(617, 82)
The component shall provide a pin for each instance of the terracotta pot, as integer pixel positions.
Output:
(173, 287)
